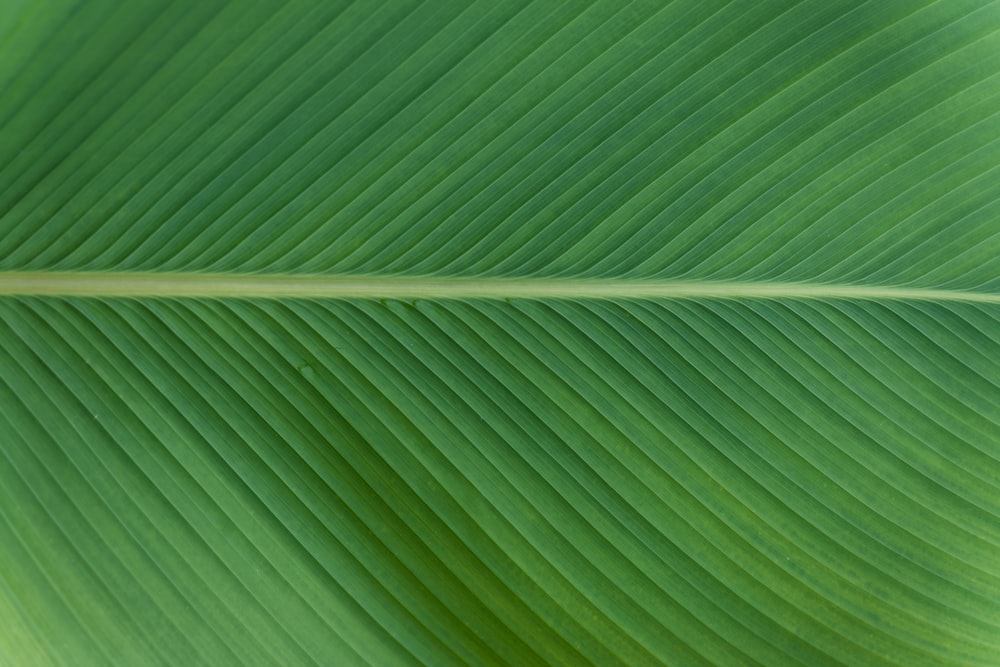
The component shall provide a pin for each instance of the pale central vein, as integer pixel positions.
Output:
(263, 286)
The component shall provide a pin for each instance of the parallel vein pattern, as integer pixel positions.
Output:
(784, 141)
(521, 333)
(617, 483)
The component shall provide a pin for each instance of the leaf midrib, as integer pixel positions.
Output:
(246, 285)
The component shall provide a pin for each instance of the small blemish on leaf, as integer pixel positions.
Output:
(307, 371)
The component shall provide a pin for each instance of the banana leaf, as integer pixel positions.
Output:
(500, 333)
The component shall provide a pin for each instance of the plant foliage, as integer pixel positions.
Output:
(612, 333)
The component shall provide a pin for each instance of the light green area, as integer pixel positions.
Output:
(284, 286)
(519, 333)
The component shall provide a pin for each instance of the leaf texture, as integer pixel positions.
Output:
(500, 333)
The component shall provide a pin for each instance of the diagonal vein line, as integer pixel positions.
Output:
(274, 286)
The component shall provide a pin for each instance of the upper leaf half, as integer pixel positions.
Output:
(782, 141)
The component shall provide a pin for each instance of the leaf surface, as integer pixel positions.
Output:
(500, 333)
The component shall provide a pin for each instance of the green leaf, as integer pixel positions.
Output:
(500, 333)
